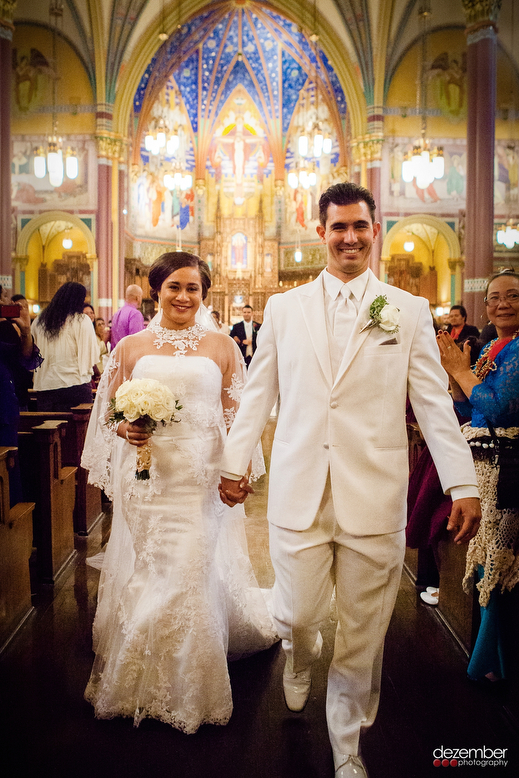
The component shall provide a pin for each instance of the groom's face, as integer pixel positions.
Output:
(349, 234)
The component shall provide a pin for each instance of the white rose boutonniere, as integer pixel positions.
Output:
(383, 315)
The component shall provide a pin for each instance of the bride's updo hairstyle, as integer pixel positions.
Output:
(166, 264)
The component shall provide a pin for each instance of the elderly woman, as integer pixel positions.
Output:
(489, 393)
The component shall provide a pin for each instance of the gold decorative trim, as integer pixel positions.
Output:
(7, 9)
(367, 148)
(455, 263)
(477, 11)
(111, 146)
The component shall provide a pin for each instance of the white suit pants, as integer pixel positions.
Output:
(366, 572)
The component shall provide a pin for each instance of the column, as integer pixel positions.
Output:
(456, 267)
(104, 237)
(481, 103)
(6, 39)
(122, 212)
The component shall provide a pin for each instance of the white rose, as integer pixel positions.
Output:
(389, 318)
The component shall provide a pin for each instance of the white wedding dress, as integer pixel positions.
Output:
(177, 594)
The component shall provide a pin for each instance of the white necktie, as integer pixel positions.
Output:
(344, 320)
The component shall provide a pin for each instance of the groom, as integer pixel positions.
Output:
(339, 467)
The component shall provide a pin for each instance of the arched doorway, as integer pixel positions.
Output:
(53, 248)
(421, 253)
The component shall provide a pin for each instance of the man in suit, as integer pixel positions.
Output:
(343, 363)
(460, 331)
(458, 327)
(245, 334)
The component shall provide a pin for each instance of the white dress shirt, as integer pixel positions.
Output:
(248, 336)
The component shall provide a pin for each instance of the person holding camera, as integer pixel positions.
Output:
(17, 349)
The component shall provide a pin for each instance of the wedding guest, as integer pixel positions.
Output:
(17, 351)
(102, 334)
(67, 341)
(127, 320)
(89, 310)
(461, 332)
(22, 377)
(489, 393)
(222, 326)
(245, 334)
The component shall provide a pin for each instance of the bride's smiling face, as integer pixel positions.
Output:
(180, 298)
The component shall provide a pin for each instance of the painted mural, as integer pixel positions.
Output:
(450, 190)
(244, 80)
(239, 154)
(34, 194)
(448, 80)
(162, 185)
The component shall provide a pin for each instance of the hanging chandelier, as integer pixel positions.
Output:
(508, 235)
(160, 140)
(50, 159)
(423, 163)
(313, 141)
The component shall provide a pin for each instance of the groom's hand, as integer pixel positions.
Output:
(465, 517)
(232, 492)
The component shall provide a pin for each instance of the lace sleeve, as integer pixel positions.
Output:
(101, 435)
(233, 382)
(497, 398)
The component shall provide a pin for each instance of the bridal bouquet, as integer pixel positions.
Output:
(149, 402)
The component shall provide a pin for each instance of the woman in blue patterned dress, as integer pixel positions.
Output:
(489, 393)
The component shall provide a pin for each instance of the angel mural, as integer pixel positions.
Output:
(26, 70)
(448, 78)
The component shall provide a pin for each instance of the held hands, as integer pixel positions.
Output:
(133, 433)
(233, 492)
(465, 517)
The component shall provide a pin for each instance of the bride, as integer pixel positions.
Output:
(177, 595)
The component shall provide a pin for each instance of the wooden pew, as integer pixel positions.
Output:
(52, 487)
(15, 550)
(88, 506)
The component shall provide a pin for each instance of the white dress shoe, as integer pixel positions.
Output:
(296, 687)
(354, 767)
(430, 596)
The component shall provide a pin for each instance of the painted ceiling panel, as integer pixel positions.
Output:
(240, 76)
(186, 79)
(252, 47)
(294, 78)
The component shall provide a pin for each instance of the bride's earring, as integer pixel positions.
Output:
(159, 312)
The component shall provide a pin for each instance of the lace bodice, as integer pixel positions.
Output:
(209, 389)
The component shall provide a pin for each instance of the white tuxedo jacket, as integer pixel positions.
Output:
(354, 426)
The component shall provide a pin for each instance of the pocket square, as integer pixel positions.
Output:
(391, 342)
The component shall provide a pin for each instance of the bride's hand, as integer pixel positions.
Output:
(133, 433)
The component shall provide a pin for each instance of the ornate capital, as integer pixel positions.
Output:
(20, 261)
(456, 263)
(111, 146)
(367, 148)
(200, 186)
(279, 187)
(7, 8)
(478, 12)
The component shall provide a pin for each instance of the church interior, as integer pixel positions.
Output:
(130, 128)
